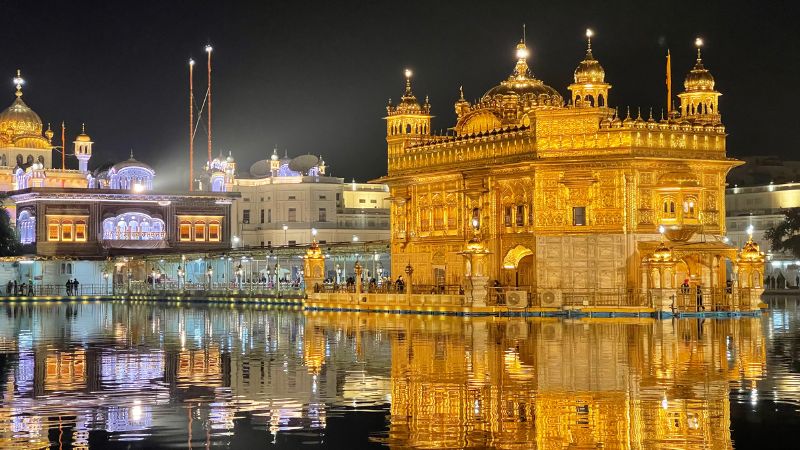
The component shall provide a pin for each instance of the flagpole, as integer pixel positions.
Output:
(191, 126)
(669, 83)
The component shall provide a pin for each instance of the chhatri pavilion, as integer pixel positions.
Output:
(564, 197)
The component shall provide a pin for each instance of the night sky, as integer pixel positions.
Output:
(315, 78)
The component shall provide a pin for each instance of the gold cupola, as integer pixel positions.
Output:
(523, 87)
(408, 123)
(20, 126)
(590, 88)
(699, 100)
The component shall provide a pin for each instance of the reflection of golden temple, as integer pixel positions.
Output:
(65, 371)
(515, 383)
(568, 197)
(200, 367)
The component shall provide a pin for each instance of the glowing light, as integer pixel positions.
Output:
(661, 229)
(138, 187)
(209, 48)
(285, 227)
(589, 33)
(522, 53)
(313, 231)
(475, 223)
(191, 62)
(355, 238)
(408, 73)
(236, 239)
(750, 230)
(18, 80)
(698, 42)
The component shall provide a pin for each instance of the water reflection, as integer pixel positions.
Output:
(150, 376)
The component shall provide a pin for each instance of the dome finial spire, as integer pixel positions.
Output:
(589, 34)
(18, 82)
(698, 42)
(408, 75)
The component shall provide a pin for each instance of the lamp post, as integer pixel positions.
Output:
(285, 237)
(105, 279)
(209, 274)
(130, 277)
(239, 274)
(409, 272)
(153, 277)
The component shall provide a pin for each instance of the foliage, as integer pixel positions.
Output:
(9, 241)
(785, 237)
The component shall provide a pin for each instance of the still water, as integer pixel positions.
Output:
(116, 375)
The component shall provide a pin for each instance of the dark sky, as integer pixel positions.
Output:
(315, 77)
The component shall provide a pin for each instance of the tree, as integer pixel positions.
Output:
(9, 241)
(785, 237)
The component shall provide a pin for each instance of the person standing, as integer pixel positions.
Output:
(68, 286)
(75, 285)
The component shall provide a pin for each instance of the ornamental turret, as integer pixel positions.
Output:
(83, 149)
(699, 100)
(407, 123)
(590, 88)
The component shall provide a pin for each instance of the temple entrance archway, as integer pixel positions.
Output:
(519, 266)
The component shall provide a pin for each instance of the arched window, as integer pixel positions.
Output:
(600, 100)
(689, 208)
(67, 229)
(80, 231)
(214, 231)
(185, 231)
(590, 100)
(408, 129)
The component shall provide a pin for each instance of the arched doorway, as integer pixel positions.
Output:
(519, 267)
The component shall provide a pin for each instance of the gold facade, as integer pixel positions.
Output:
(567, 196)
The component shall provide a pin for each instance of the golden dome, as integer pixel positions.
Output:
(751, 252)
(19, 120)
(83, 137)
(524, 85)
(699, 78)
(662, 253)
(408, 102)
(589, 70)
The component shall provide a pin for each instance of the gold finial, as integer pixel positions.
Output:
(83, 128)
(18, 82)
(589, 34)
(461, 91)
(131, 153)
(523, 34)
(698, 43)
(408, 75)
(650, 119)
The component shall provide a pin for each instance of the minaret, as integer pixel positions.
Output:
(408, 122)
(699, 101)
(83, 149)
(590, 88)
(274, 162)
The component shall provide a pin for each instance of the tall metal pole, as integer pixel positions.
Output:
(191, 125)
(208, 50)
(63, 146)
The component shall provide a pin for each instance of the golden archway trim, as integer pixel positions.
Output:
(515, 255)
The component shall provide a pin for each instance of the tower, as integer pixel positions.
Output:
(699, 100)
(408, 122)
(83, 149)
(590, 88)
(274, 163)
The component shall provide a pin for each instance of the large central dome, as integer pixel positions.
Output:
(525, 86)
(19, 120)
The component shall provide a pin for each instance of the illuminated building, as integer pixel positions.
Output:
(299, 193)
(566, 195)
(755, 209)
(93, 214)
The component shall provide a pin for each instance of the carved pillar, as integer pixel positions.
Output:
(750, 271)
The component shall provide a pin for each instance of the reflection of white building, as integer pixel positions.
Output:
(283, 199)
(761, 207)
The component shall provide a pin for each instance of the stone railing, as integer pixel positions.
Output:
(348, 300)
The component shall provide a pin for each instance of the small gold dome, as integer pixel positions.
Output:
(662, 253)
(751, 252)
(83, 137)
(589, 70)
(699, 78)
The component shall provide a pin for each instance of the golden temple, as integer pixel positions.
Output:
(566, 198)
